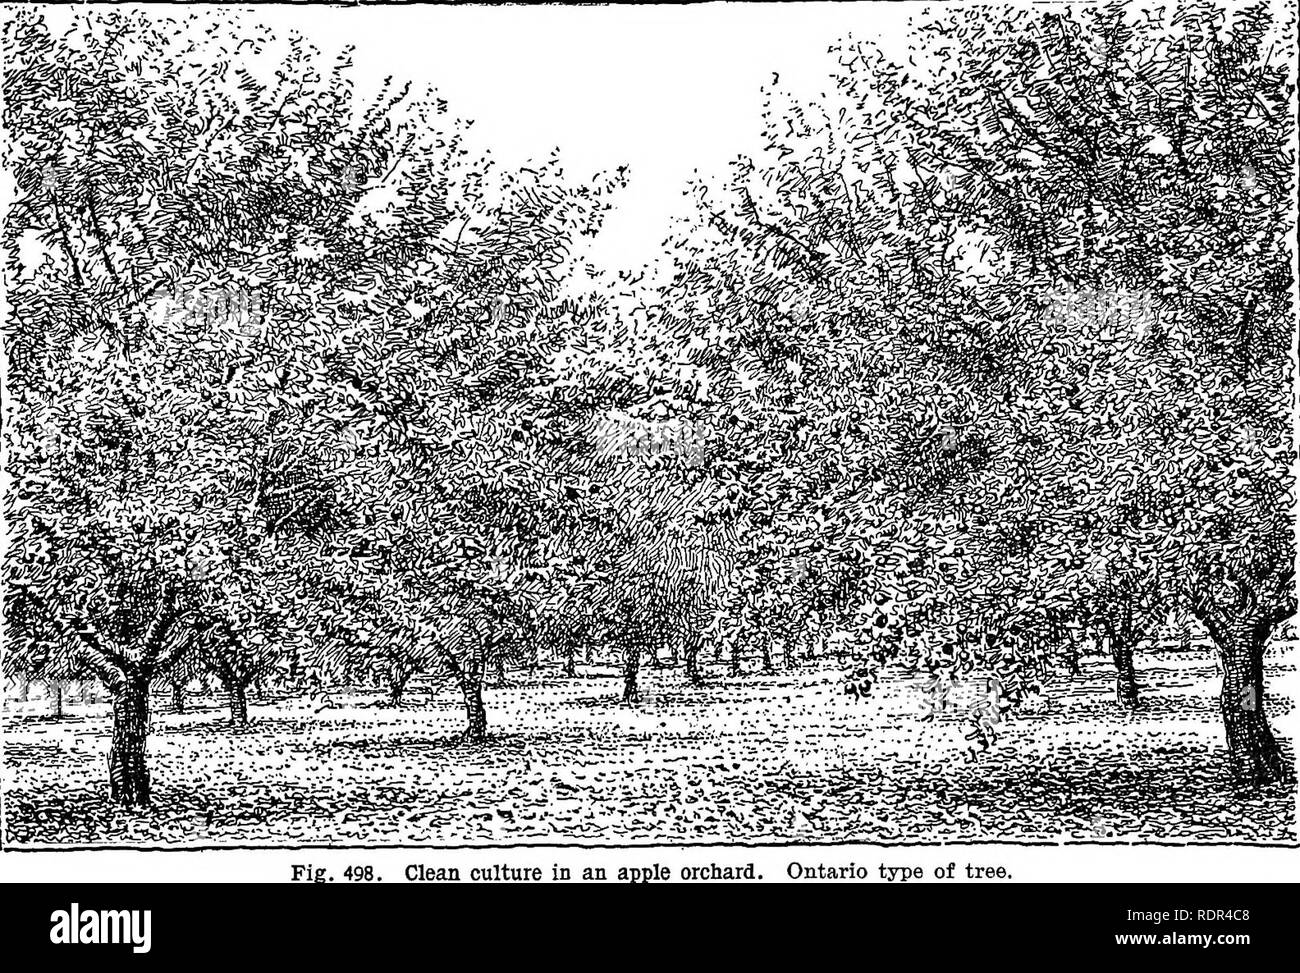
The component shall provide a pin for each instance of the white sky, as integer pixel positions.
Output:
(665, 90)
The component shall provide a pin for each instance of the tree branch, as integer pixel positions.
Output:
(105, 662)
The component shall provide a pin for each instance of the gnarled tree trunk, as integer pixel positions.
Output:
(127, 670)
(1253, 751)
(237, 694)
(1126, 687)
(1120, 635)
(471, 687)
(1240, 631)
(691, 653)
(397, 680)
(128, 773)
(631, 668)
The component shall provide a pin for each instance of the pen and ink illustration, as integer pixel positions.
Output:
(934, 484)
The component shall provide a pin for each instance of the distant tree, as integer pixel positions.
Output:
(242, 639)
(38, 650)
(470, 479)
(373, 625)
(179, 678)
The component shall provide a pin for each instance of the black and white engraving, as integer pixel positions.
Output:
(932, 480)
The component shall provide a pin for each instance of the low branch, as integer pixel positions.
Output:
(105, 662)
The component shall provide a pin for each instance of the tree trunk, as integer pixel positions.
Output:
(692, 655)
(25, 685)
(397, 680)
(570, 661)
(56, 687)
(1126, 687)
(237, 694)
(501, 669)
(1255, 755)
(178, 696)
(471, 688)
(631, 666)
(128, 774)
(765, 646)
(735, 658)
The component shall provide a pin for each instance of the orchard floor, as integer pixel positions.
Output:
(760, 758)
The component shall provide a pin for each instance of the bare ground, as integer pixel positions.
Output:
(761, 758)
